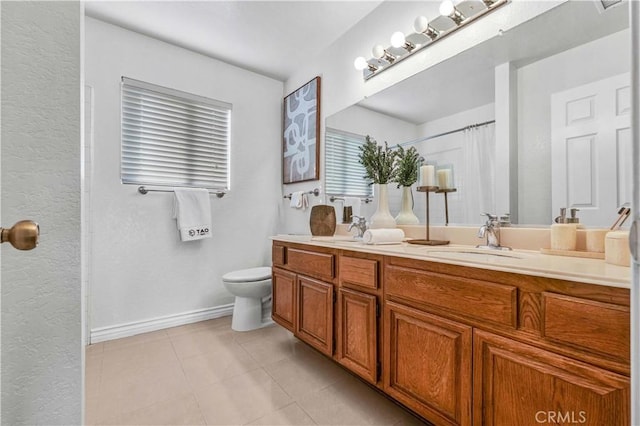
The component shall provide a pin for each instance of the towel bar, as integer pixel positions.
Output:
(366, 200)
(315, 192)
(143, 190)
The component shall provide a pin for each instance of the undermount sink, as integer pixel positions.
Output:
(336, 239)
(474, 253)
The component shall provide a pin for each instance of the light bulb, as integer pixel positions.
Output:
(360, 63)
(447, 8)
(397, 39)
(421, 24)
(378, 51)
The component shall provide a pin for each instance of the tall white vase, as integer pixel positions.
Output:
(406, 215)
(382, 217)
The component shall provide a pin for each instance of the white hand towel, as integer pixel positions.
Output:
(296, 200)
(354, 203)
(192, 211)
(383, 236)
(299, 200)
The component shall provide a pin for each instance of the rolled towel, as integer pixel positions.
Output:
(383, 236)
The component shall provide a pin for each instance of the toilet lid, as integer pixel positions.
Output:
(248, 275)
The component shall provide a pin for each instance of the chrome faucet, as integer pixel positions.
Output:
(360, 223)
(491, 229)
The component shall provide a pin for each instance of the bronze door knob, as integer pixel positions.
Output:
(23, 235)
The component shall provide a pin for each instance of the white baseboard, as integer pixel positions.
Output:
(145, 326)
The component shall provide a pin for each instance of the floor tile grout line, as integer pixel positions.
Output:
(308, 414)
(191, 389)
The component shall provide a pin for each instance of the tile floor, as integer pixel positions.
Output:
(205, 373)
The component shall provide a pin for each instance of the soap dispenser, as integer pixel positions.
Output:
(563, 233)
(573, 218)
(563, 216)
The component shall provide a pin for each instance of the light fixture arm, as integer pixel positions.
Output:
(431, 33)
(457, 17)
(408, 46)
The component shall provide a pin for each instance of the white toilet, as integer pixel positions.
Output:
(252, 288)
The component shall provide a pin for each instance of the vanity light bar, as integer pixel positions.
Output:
(401, 49)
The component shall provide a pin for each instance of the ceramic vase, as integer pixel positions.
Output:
(382, 218)
(406, 215)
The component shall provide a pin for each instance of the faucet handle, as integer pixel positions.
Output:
(490, 217)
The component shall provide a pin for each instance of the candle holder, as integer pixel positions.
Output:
(428, 241)
(445, 191)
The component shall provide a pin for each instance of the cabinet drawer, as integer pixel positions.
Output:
(492, 302)
(318, 265)
(587, 324)
(358, 272)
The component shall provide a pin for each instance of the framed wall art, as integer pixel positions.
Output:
(301, 134)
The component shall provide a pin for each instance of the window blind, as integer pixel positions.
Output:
(343, 172)
(173, 138)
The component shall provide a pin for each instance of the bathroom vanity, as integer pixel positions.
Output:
(463, 337)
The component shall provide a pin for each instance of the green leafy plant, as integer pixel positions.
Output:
(407, 163)
(378, 162)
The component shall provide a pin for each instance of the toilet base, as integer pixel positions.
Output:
(247, 314)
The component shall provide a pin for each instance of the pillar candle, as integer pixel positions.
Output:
(427, 175)
(444, 178)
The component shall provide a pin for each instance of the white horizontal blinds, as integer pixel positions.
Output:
(343, 172)
(173, 138)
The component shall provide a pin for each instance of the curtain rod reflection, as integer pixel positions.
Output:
(461, 129)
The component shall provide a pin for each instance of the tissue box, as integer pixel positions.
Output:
(616, 248)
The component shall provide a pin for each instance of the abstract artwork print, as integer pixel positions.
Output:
(301, 136)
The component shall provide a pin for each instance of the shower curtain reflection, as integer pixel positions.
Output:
(478, 174)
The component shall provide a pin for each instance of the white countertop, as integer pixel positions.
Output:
(590, 271)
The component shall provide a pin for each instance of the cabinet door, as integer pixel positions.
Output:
(283, 298)
(515, 383)
(357, 332)
(315, 314)
(427, 364)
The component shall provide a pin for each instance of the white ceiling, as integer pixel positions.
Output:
(273, 38)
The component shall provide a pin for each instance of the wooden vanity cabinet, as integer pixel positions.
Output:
(303, 294)
(428, 364)
(283, 298)
(314, 323)
(544, 350)
(461, 345)
(520, 384)
(357, 313)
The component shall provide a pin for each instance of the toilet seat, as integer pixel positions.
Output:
(248, 275)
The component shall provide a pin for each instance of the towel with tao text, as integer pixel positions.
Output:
(192, 211)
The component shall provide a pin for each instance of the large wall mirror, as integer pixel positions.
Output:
(570, 105)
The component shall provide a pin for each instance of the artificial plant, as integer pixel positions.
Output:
(407, 164)
(379, 162)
